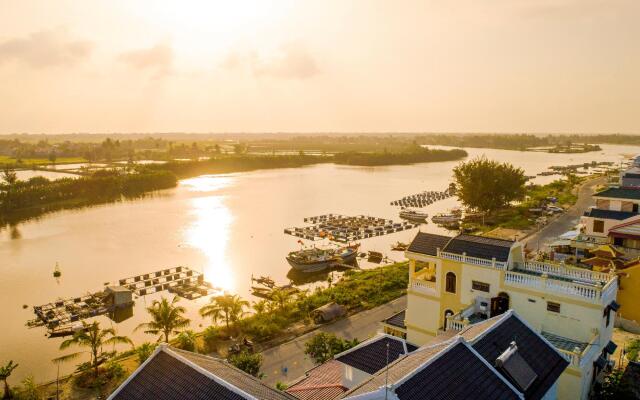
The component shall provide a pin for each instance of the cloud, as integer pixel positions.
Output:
(45, 49)
(288, 62)
(158, 58)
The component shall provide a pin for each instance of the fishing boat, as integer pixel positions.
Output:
(399, 246)
(316, 259)
(413, 215)
(445, 218)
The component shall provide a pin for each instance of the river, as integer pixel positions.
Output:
(227, 226)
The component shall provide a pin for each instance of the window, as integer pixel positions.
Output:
(634, 208)
(553, 307)
(481, 286)
(450, 282)
(598, 226)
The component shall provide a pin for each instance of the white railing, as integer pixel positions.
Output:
(455, 325)
(591, 293)
(423, 286)
(565, 271)
(473, 260)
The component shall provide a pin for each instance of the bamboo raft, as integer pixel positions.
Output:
(345, 229)
(63, 316)
(422, 199)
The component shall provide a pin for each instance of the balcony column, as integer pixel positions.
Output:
(464, 257)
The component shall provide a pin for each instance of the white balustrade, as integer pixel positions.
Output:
(564, 271)
(473, 260)
(423, 286)
(591, 293)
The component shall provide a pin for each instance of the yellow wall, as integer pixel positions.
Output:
(450, 301)
(629, 294)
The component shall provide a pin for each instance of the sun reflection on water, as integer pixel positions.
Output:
(209, 231)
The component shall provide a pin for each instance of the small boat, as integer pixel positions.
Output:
(399, 246)
(375, 257)
(264, 280)
(413, 215)
(316, 259)
(445, 218)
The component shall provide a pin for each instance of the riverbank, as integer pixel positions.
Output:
(367, 295)
(22, 200)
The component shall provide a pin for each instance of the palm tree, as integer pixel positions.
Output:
(94, 338)
(5, 373)
(281, 297)
(167, 318)
(260, 307)
(228, 307)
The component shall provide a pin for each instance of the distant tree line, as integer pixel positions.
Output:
(38, 195)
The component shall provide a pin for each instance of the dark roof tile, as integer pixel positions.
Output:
(609, 214)
(428, 243)
(480, 247)
(372, 356)
(620, 193)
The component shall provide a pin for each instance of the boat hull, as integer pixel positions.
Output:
(317, 266)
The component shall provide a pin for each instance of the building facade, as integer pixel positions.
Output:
(455, 282)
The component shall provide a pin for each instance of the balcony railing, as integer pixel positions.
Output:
(594, 293)
(564, 271)
(424, 286)
(473, 260)
(460, 320)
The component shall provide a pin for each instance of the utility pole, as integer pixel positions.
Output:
(386, 376)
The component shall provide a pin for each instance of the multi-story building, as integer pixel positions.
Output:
(455, 282)
(614, 206)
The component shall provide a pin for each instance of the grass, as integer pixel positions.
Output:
(519, 217)
(358, 290)
(40, 161)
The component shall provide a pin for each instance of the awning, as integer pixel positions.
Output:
(610, 347)
(614, 306)
(569, 235)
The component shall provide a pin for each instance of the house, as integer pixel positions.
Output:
(170, 373)
(456, 282)
(631, 177)
(626, 236)
(350, 368)
(614, 206)
(500, 358)
(628, 294)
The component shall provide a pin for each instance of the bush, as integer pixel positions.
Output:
(144, 351)
(633, 349)
(323, 346)
(187, 341)
(248, 362)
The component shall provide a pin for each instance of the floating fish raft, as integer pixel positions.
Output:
(343, 229)
(422, 199)
(62, 317)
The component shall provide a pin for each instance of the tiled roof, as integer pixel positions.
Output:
(397, 320)
(323, 382)
(371, 356)
(563, 342)
(458, 374)
(428, 243)
(609, 214)
(177, 374)
(480, 247)
(628, 228)
(545, 361)
(620, 193)
(399, 369)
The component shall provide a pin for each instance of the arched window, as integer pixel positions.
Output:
(450, 282)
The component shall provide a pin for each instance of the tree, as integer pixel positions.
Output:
(9, 175)
(5, 373)
(53, 157)
(248, 362)
(187, 340)
(614, 387)
(228, 307)
(281, 297)
(28, 389)
(144, 351)
(323, 346)
(94, 339)
(487, 185)
(167, 318)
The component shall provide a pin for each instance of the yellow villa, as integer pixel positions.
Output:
(457, 281)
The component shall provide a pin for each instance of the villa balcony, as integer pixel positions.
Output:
(423, 282)
(583, 284)
(463, 258)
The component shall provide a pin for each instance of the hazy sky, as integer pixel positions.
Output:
(308, 66)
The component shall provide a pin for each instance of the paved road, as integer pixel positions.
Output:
(291, 354)
(568, 220)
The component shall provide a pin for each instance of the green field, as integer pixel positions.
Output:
(39, 161)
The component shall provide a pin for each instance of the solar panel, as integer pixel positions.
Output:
(516, 368)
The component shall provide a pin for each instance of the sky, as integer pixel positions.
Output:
(319, 66)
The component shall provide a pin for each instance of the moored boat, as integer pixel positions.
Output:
(413, 215)
(445, 218)
(316, 259)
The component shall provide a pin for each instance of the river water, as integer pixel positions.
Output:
(227, 226)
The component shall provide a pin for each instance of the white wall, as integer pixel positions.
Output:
(474, 273)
